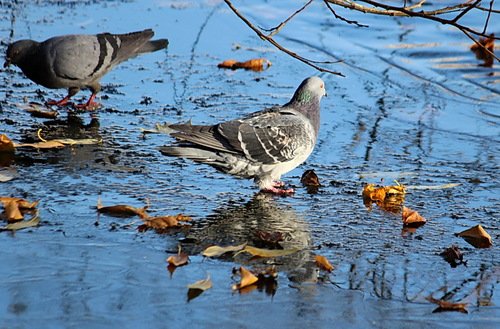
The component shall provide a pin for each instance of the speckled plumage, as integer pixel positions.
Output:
(263, 145)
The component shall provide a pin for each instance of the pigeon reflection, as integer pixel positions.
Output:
(259, 222)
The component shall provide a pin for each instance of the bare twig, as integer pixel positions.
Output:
(280, 47)
(488, 17)
(277, 29)
(343, 18)
(466, 10)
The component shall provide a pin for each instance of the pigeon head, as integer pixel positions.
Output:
(310, 90)
(17, 51)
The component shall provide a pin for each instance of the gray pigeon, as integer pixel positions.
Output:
(78, 61)
(263, 145)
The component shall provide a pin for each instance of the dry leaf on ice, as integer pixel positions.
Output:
(389, 198)
(258, 64)
(178, 260)
(247, 279)
(163, 222)
(195, 289)
(258, 252)
(215, 251)
(38, 110)
(323, 263)
(13, 206)
(6, 145)
(444, 306)
(412, 218)
(477, 237)
(122, 210)
(34, 221)
(481, 53)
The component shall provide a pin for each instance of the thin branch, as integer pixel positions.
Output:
(488, 17)
(277, 45)
(277, 29)
(342, 18)
(465, 11)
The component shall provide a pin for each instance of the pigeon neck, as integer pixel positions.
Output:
(308, 104)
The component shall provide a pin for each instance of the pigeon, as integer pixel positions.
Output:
(78, 61)
(263, 145)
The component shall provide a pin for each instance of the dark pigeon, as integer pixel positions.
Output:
(263, 145)
(78, 61)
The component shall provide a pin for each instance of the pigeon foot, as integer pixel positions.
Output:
(278, 184)
(61, 102)
(89, 106)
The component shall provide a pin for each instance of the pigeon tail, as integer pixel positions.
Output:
(153, 45)
(195, 154)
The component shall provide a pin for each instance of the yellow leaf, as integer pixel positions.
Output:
(215, 251)
(268, 252)
(412, 218)
(178, 260)
(6, 144)
(247, 279)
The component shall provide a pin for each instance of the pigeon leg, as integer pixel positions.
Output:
(90, 105)
(279, 191)
(61, 102)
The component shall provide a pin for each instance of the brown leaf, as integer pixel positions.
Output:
(309, 178)
(477, 237)
(453, 256)
(481, 53)
(6, 145)
(195, 289)
(178, 260)
(11, 212)
(323, 263)
(247, 279)
(258, 64)
(267, 252)
(35, 109)
(43, 145)
(215, 251)
(445, 306)
(34, 221)
(122, 210)
(389, 198)
(412, 218)
(22, 203)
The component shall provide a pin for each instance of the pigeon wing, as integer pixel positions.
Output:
(269, 137)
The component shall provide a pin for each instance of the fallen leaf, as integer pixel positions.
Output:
(216, 251)
(36, 110)
(309, 178)
(247, 279)
(195, 289)
(481, 53)
(453, 256)
(122, 210)
(389, 198)
(42, 145)
(323, 263)
(163, 222)
(11, 212)
(6, 145)
(7, 174)
(34, 221)
(22, 203)
(412, 218)
(258, 64)
(477, 237)
(178, 260)
(445, 306)
(258, 252)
